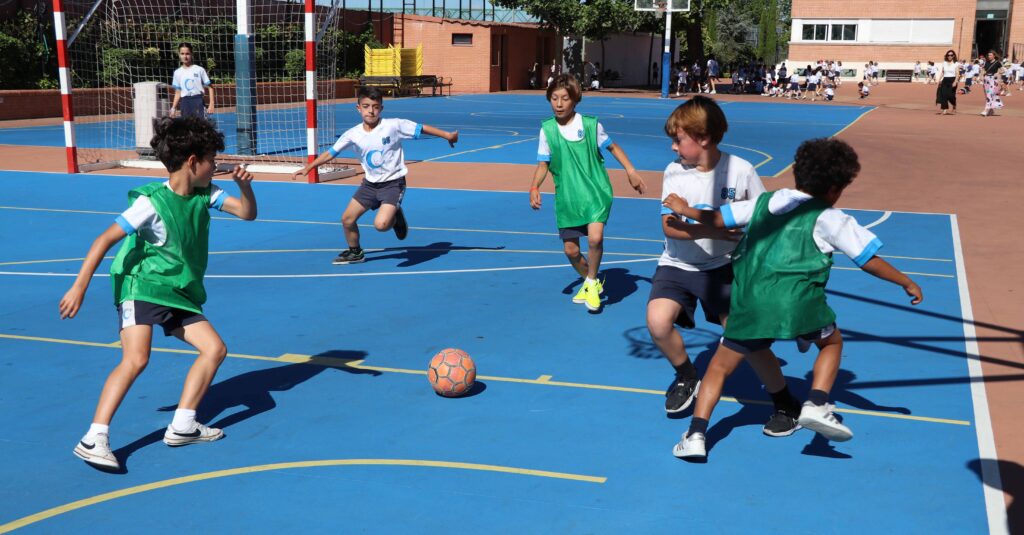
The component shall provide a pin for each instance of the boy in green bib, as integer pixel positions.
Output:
(158, 277)
(781, 267)
(570, 147)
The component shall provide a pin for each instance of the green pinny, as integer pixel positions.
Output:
(583, 191)
(170, 274)
(780, 275)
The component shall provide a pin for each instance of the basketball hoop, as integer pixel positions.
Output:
(660, 8)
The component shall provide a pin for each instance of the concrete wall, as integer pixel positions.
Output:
(630, 55)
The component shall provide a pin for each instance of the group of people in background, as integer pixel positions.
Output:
(700, 77)
(997, 76)
(591, 75)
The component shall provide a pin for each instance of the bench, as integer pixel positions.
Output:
(899, 75)
(389, 84)
(414, 85)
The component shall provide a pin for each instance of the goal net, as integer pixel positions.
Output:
(123, 54)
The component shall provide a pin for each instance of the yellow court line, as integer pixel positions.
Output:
(138, 489)
(843, 129)
(905, 272)
(476, 150)
(331, 362)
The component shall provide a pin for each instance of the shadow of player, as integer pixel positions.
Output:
(252, 391)
(412, 256)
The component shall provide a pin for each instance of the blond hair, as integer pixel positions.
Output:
(699, 117)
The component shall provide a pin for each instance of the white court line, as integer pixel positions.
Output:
(880, 220)
(334, 275)
(995, 503)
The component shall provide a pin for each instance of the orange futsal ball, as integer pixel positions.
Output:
(451, 372)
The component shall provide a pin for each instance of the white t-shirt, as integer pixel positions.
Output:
(190, 80)
(830, 92)
(794, 78)
(380, 150)
(141, 216)
(571, 131)
(833, 231)
(948, 69)
(733, 179)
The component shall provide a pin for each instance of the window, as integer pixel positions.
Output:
(462, 39)
(815, 32)
(844, 32)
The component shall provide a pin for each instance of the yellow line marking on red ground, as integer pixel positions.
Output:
(138, 489)
(332, 362)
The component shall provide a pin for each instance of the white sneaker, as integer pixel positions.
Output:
(98, 452)
(197, 433)
(690, 447)
(819, 418)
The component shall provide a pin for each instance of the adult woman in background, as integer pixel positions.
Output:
(945, 95)
(991, 72)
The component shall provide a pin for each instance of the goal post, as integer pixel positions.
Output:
(272, 64)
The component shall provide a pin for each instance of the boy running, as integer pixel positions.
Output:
(158, 278)
(782, 266)
(569, 147)
(696, 264)
(378, 142)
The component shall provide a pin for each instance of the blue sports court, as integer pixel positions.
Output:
(330, 423)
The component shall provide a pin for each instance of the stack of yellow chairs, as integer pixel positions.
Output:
(393, 61)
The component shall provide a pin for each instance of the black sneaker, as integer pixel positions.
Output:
(681, 394)
(781, 425)
(348, 256)
(401, 228)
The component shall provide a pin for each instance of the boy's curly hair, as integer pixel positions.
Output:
(570, 84)
(822, 164)
(698, 117)
(175, 139)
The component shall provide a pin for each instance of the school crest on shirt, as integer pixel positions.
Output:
(386, 140)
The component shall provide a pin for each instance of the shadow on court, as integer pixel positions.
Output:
(1011, 479)
(251, 390)
(412, 256)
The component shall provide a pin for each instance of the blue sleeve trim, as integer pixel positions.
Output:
(218, 203)
(419, 131)
(176, 86)
(543, 157)
(606, 143)
(665, 210)
(868, 252)
(125, 225)
(727, 217)
(332, 152)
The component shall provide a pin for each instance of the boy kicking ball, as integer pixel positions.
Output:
(378, 142)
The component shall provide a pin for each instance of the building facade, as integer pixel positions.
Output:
(896, 33)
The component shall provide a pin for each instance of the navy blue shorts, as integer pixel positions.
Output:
(192, 106)
(133, 312)
(572, 233)
(713, 288)
(757, 344)
(371, 195)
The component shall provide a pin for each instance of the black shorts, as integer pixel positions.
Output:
(192, 106)
(757, 344)
(572, 233)
(134, 312)
(371, 195)
(712, 288)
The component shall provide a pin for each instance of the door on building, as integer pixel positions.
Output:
(990, 34)
(503, 67)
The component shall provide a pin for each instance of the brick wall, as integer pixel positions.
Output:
(36, 104)
(962, 12)
(1016, 27)
(469, 66)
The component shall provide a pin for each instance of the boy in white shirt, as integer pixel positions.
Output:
(190, 82)
(696, 262)
(830, 94)
(782, 267)
(378, 142)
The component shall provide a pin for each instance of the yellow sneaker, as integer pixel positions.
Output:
(599, 284)
(581, 296)
(593, 296)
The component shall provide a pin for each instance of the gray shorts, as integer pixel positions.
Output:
(133, 312)
(757, 344)
(371, 195)
(712, 288)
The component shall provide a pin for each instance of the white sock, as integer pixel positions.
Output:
(96, 429)
(589, 280)
(183, 419)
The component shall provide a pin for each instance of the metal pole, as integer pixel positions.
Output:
(666, 55)
(311, 142)
(64, 73)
